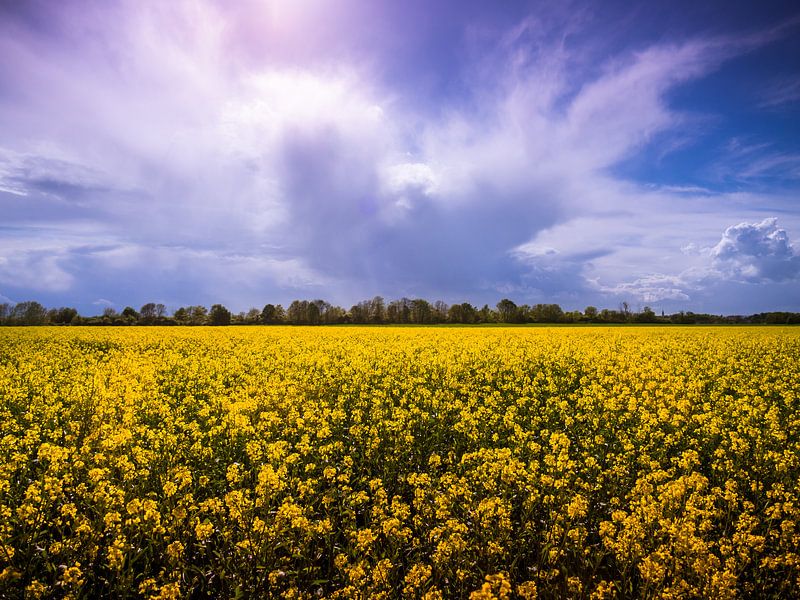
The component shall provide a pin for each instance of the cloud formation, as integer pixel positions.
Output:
(194, 152)
(757, 252)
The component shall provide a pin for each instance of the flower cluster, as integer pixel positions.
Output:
(397, 462)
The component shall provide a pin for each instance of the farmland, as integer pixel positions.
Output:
(400, 462)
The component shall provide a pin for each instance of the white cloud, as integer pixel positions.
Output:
(747, 253)
(399, 178)
(756, 252)
(532, 251)
(651, 288)
(685, 189)
(35, 270)
(776, 164)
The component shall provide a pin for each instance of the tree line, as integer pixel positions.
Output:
(375, 311)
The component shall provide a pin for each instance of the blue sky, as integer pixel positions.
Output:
(262, 151)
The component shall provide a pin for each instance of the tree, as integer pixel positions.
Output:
(181, 316)
(5, 311)
(525, 314)
(366, 311)
(647, 316)
(219, 315)
(252, 317)
(110, 316)
(28, 313)
(297, 314)
(455, 314)
(326, 313)
(377, 310)
(336, 314)
(147, 314)
(62, 316)
(547, 313)
(507, 311)
(486, 315)
(462, 313)
(469, 314)
(440, 309)
(197, 315)
(399, 311)
(611, 316)
(280, 314)
(359, 313)
(625, 309)
(130, 315)
(272, 314)
(393, 312)
(313, 312)
(420, 311)
(590, 312)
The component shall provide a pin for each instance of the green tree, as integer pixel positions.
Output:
(198, 315)
(455, 314)
(181, 316)
(440, 309)
(359, 313)
(297, 314)
(313, 312)
(486, 314)
(61, 316)
(147, 314)
(469, 313)
(28, 313)
(421, 311)
(130, 315)
(399, 311)
(462, 313)
(647, 316)
(377, 310)
(547, 313)
(625, 309)
(272, 314)
(507, 310)
(219, 315)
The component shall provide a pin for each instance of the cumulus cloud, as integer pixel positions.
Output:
(756, 252)
(748, 253)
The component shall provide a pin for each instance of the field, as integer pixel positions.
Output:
(400, 462)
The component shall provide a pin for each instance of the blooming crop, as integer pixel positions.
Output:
(391, 462)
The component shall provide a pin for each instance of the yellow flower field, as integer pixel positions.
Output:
(400, 462)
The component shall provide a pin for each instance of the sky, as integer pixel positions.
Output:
(579, 153)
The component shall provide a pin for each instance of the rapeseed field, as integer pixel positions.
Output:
(400, 462)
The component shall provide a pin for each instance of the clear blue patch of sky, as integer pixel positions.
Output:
(727, 113)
